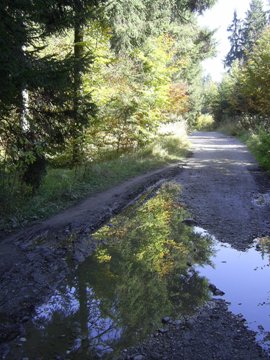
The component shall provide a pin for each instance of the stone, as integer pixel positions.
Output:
(215, 290)
(138, 357)
(166, 319)
(190, 222)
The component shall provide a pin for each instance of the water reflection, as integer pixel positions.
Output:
(244, 277)
(120, 293)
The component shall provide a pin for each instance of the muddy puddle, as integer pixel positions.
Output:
(148, 264)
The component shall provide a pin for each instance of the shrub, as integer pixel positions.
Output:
(204, 122)
(260, 146)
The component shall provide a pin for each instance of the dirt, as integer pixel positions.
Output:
(213, 333)
(226, 192)
(221, 185)
(34, 261)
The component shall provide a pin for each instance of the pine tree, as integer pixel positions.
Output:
(236, 40)
(254, 23)
(133, 21)
(53, 84)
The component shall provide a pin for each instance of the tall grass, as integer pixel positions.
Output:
(259, 144)
(64, 187)
(257, 140)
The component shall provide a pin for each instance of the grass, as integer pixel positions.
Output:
(257, 141)
(63, 187)
(259, 145)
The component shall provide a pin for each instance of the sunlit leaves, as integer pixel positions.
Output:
(255, 77)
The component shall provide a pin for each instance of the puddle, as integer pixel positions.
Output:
(244, 277)
(261, 199)
(141, 272)
(148, 265)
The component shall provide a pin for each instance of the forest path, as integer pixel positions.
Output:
(226, 191)
(228, 195)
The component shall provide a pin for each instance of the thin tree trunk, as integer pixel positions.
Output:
(78, 84)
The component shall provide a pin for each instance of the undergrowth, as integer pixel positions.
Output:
(64, 187)
(259, 144)
(258, 141)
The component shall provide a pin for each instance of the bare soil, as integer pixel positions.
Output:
(222, 186)
(34, 261)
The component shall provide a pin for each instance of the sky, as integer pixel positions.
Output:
(220, 17)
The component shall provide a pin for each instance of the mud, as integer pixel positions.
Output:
(226, 190)
(213, 333)
(227, 194)
(35, 261)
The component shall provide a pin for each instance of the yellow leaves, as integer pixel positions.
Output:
(179, 98)
(103, 256)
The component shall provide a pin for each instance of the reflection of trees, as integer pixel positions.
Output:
(143, 274)
(137, 276)
(264, 244)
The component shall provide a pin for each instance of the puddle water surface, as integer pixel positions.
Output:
(244, 277)
(148, 265)
(141, 271)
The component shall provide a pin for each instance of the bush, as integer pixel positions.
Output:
(259, 144)
(204, 122)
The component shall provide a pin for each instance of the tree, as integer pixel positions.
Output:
(52, 83)
(133, 21)
(253, 25)
(236, 51)
(58, 109)
(255, 77)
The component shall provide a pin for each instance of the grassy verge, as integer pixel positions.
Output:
(258, 142)
(64, 187)
(259, 145)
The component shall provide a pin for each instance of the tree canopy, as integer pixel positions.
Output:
(53, 97)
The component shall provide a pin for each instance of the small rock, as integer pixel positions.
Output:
(22, 339)
(166, 319)
(138, 357)
(162, 330)
(189, 222)
(215, 290)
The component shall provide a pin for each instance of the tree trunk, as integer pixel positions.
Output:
(78, 88)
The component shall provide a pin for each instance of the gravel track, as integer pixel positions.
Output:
(227, 193)
(225, 189)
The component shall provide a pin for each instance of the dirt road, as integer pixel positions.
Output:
(226, 190)
(227, 194)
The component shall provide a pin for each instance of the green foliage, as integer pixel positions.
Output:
(148, 85)
(245, 33)
(244, 92)
(62, 187)
(133, 21)
(254, 23)
(38, 91)
(58, 70)
(236, 40)
(255, 77)
(204, 122)
(260, 145)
